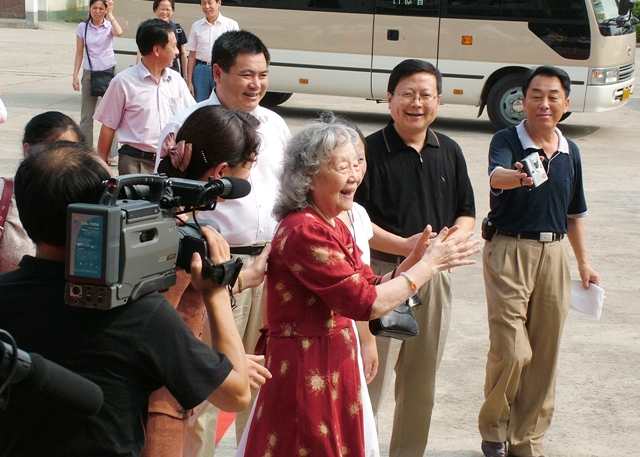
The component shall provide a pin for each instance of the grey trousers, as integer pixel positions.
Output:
(87, 109)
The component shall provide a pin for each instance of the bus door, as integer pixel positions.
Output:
(316, 46)
(403, 29)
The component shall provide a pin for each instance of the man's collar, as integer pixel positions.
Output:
(395, 143)
(144, 72)
(527, 142)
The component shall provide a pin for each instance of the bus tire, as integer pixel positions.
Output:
(275, 98)
(564, 116)
(504, 103)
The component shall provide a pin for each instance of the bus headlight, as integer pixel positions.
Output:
(602, 76)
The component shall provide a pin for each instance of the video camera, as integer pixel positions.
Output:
(129, 244)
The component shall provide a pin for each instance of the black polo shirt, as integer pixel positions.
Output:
(404, 190)
(536, 209)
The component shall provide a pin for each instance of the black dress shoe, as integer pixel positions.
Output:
(493, 449)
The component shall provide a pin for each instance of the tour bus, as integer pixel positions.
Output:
(481, 47)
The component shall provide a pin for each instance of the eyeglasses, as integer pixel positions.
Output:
(165, 10)
(406, 98)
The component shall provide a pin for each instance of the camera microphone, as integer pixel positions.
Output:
(52, 382)
(229, 188)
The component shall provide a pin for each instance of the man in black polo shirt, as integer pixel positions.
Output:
(414, 177)
(526, 267)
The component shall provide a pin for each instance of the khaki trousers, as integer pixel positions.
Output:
(528, 287)
(415, 362)
(201, 432)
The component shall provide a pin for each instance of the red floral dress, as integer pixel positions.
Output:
(316, 283)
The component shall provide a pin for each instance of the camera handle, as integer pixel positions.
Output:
(151, 188)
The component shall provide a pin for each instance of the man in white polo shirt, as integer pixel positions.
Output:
(240, 69)
(204, 33)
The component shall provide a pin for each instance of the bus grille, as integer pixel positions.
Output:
(625, 72)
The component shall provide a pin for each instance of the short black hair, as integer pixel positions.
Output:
(410, 67)
(228, 45)
(551, 72)
(150, 33)
(49, 126)
(50, 178)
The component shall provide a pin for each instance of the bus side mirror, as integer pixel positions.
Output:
(623, 7)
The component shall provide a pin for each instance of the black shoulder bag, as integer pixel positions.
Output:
(400, 323)
(100, 79)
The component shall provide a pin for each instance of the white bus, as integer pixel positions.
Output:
(482, 47)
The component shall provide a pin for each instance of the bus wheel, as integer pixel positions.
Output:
(564, 116)
(275, 98)
(504, 103)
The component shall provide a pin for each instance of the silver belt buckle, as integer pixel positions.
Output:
(546, 237)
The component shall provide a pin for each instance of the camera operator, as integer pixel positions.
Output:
(129, 351)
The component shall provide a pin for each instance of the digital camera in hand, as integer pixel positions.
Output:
(129, 244)
(534, 168)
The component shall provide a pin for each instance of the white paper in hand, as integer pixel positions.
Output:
(588, 301)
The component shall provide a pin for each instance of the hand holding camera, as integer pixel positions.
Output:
(532, 166)
(218, 250)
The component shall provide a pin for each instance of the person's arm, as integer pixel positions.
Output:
(77, 65)
(505, 179)
(465, 223)
(393, 244)
(191, 65)
(368, 351)
(443, 252)
(577, 238)
(233, 394)
(183, 62)
(117, 30)
(253, 275)
(104, 141)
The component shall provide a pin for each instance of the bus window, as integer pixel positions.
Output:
(408, 7)
(518, 9)
(571, 41)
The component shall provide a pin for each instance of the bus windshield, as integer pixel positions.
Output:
(605, 9)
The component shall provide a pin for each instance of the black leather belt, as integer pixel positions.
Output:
(247, 250)
(137, 153)
(202, 62)
(385, 257)
(543, 237)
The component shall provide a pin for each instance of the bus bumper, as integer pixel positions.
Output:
(608, 97)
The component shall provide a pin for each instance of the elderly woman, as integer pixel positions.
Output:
(317, 283)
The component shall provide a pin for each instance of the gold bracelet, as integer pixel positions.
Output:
(240, 282)
(413, 285)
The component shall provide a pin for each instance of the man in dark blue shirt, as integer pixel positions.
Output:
(526, 267)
